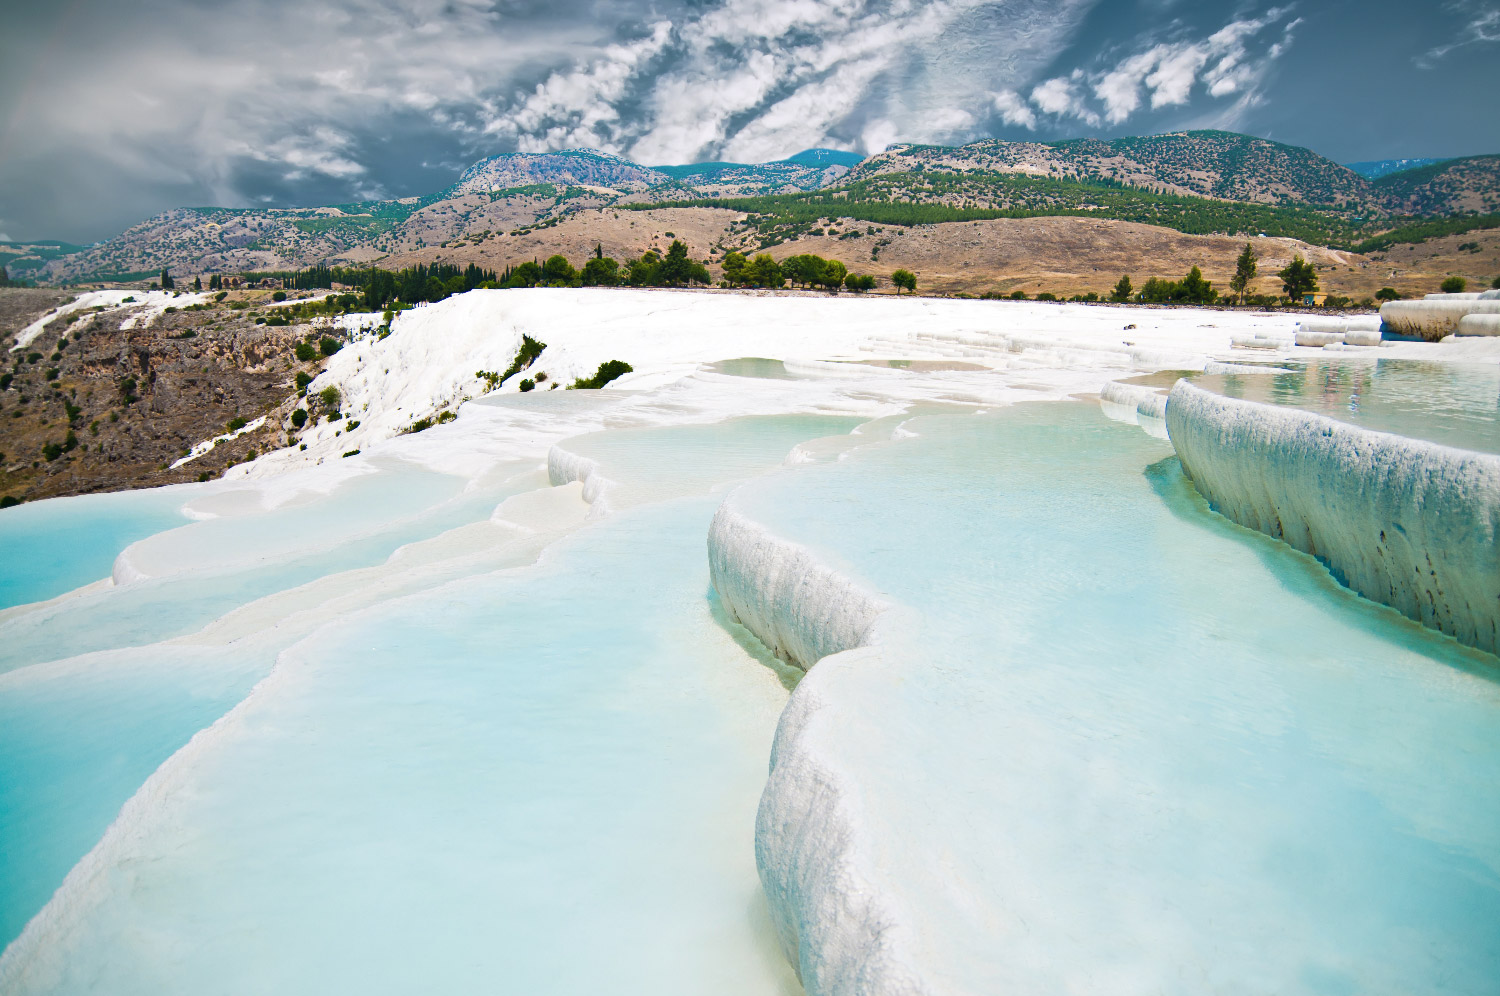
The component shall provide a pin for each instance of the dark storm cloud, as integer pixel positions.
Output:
(115, 110)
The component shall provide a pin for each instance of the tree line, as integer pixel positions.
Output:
(420, 283)
(677, 269)
(805, 270)
(1298, 279)
(1422, 230)
(425, 283)
(930, 197)
(650, 269)
(379, 289)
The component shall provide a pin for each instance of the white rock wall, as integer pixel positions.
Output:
(1434, 317)
(1478, 325)
(1401, 521)
(840, 931)
(811, 847)
(795, 605)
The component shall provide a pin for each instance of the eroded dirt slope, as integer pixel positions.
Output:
(90, 406)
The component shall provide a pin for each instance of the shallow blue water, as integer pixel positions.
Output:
(653, 464)
(456, 789)
(1456, 404)
(1112, 742)
(51, 547)
(227, 562)
(544, 782)
(752, 366)
(74, 747)
(78, 738)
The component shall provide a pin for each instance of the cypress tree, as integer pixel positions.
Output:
(1244, 272)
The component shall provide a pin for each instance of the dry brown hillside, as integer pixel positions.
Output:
(120, 405)
(1475, 256)
(1064, 256)
(621, 233)
(1455, 186)
(1227, 182)
(193, 371)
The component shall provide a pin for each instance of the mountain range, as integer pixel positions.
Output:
(1374, 169)
(590, 168)
(508, 196)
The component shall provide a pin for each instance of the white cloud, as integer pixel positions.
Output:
(1120, 88)
(692, 111)
(194, 107)
(577, 108)
(801, 119)
(878, 135)
(760, 79)
(1055, 96)
(1174, 76)
(318, 151)
(1221, 63)
(1059, 96)
(1481, 25)
(947, 120)
(1013, 109)
(217, 108)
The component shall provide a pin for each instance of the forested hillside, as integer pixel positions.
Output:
(571, 167)
(1453, 186)
(1196, 182)
(931, 197)
(1214, 164)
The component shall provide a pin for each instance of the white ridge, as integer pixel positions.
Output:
(1412, 524)
(836, 929)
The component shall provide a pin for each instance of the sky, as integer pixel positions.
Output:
(115, 110)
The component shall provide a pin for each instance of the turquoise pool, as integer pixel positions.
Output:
(1450, 403)
(1105, 740)
(52, 547)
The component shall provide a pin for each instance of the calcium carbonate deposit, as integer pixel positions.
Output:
(837, 647)
(1404, 522)
(1072, 756)
(1437, 315)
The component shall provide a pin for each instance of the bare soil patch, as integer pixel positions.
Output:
(189, 373)
(1063, 256)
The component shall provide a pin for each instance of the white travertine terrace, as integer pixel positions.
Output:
(1312, 477)
(814, 860)
(1405, 522)
(1437, 315)
(1472, 324)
